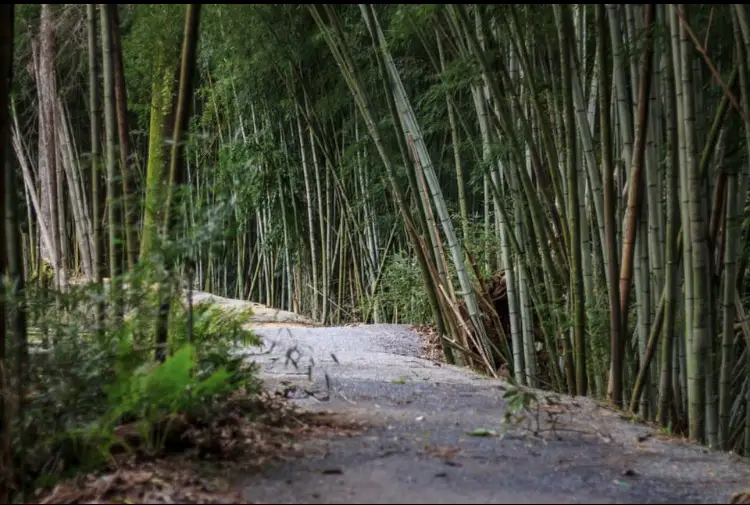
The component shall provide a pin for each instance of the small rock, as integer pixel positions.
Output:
(333, 471)
(629, 473)
(441, 474)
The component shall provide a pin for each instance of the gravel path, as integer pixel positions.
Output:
(418, 450)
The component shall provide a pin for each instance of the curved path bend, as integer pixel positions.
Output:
(422, 445)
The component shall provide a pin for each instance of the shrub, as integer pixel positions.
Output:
(86, 393)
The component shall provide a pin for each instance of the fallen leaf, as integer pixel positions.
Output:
(482, 432)
(622, 484)
(442, 451)
(246, 432)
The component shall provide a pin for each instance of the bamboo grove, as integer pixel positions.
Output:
(382, 163)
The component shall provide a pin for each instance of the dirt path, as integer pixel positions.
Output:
(418, 447)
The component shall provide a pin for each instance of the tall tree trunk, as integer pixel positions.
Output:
(47, 86)
(617, 342)
(156, 172)
(121, 101)
(565, 33)
(114, 216)
(635, 189)
(666, 386)
(7, 14)
(311, 228)
(318, 196)
(94, 115)
(16, 316)
(177, 172)
(699, 349)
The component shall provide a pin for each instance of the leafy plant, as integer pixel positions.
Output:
(75, 404)
(154, 393)
(520, 404)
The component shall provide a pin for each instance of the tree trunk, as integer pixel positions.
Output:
(114, 216)
(7, 14)
(94, 115)
(129, 202)
(47, 86)
(177, 170)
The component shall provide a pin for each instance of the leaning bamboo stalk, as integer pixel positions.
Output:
(414, 131)
(624, 106)
(541, 226)
(615, 388)
(82, 226)
(30, 186)
(635, 190)
(594, 176)
(354, 82)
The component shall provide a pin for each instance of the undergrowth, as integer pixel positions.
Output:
(89, 395)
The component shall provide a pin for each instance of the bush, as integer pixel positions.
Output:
(90, 395)
(401, 295)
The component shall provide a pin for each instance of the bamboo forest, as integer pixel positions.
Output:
(552, 196)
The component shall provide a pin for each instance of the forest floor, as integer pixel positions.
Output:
(376, 422)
